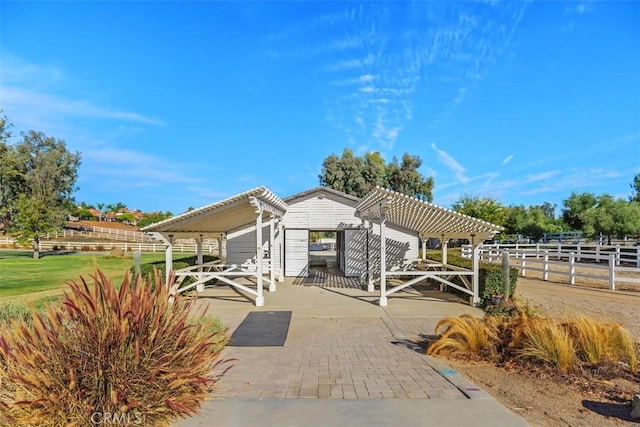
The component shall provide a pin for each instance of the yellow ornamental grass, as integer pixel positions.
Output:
(125, 354)
(465, 335)
(545, 341)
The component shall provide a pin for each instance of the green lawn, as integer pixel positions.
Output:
(25, 279)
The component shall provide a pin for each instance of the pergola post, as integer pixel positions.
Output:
(445, 247)
(272, 256)
(370, 283)
(259, 296)
(424, 247)
(168, 259)
(199, 252)
(199, 287)
(281, 252)
(220, 240)
(383, 260)
(476, 274)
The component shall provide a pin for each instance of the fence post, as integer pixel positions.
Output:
(572, 268)
(506, 285)
(638, 257)
(559, 251)
(612, 272)
(597, 252)
(617, 254)
(523, 264)
(545, 266)
(578, 247)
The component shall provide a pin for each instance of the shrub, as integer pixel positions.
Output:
(128, 353)
(490, 279)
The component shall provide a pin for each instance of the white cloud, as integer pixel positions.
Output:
(540, 176)
(41, 104)
(451, 163)
(507, 159)
(38, 97)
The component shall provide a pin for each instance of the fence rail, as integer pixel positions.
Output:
(616, 262)
(52, 245)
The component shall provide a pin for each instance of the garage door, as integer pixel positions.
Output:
(296, 253)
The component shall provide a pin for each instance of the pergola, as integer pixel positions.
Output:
(214, 221)
(428, 220)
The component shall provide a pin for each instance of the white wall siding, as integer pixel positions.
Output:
(241, 246)
(401, 244)
(325, 212)
(355, 261)
(296, 252)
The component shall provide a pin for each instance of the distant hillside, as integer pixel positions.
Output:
(105, 224)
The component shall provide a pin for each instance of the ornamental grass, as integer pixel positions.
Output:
(566, 345)
(465, 335)
(124, 355)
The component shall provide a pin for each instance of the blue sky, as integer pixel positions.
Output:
(178, 104)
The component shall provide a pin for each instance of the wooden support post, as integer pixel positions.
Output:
(199, 287)
(612, 272)
(572, 268)
(281, 251)
(506, 279)
(272, 255)
(370, 280)
(168, 259)
(383, 261)
(260, 296)
(445, 248)
(545, 266)
(476, 275)
(199, 252)
(523, 264)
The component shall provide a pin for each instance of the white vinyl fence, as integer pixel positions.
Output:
(615, 262)
(125, 247)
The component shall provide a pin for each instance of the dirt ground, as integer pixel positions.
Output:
(547, 399)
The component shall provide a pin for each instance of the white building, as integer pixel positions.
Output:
(267, 238)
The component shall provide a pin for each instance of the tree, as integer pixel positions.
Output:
(484, 208)
(406, 178)
(612, 217)
(575, 207)
(358, 175)
(153, 217)
(11, 177)
(635, 186)
(44, 176)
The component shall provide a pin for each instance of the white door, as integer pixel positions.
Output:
(296, 253)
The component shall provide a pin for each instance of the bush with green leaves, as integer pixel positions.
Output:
(490, 279)
(127, 352)
(148, 270)
(11, 312)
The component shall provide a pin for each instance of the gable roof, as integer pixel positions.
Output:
(319, 190)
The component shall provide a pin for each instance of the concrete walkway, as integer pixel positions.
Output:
(346, 362)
